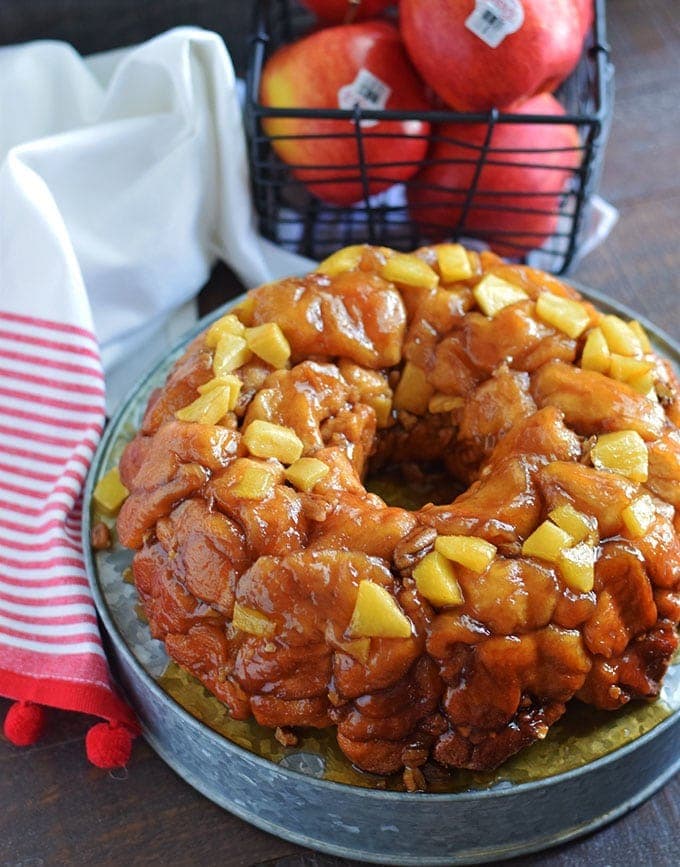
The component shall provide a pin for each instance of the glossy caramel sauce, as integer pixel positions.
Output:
(583, 735)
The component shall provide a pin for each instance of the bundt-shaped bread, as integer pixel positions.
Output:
(458, 631)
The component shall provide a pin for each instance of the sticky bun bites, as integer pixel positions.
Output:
(457, 632)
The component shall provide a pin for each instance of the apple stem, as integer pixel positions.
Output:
(352, 10)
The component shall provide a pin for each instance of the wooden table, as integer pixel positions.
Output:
(57, 809)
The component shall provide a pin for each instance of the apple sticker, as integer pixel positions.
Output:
(493, 20)
(366, 91)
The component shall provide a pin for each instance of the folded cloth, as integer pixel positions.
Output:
(122, 178)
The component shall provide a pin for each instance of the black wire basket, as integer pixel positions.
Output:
(296, 219)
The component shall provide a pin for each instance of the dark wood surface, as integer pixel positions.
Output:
(57, 809)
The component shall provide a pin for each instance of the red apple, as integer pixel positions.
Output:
(587, 13)
(527, 170)
(337, 68)
(345, 11)
(540, 47)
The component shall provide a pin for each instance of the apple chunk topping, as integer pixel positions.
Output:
(253, 480)
(110, 493)
(579, 526)
(269, 343)
(567, 315)
(251, 621)
(409, 270)
(577, 566)
(231, 353)
(621, 338)
(641, 335)
(492, 294)
(635, 372)
(639, 516)
(596, 355)
(435, 579)
(454, 263)
(575, 559)
(623, 452)
(211, 406)
(306, 472)
(345, 259)
(470, 551)
(444, 403)
(229, 381)
(264, 439)
(547, 542)
(229, 324)
(377, 614)
(413, 391)
(624, 368)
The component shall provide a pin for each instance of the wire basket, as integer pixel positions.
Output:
(291, 216)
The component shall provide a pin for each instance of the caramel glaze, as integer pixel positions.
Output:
(472, 684)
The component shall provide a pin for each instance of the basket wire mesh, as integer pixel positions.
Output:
(291, 216)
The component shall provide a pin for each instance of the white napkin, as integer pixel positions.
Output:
(123, 177)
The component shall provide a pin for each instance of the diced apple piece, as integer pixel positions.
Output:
(231, 353)
(435, 579)
(624, 452)
(624, 368)
(267, 440)
(567, 315)
(359, 648)
(342, 260)
(251, 621)
(575, 523)
(413, 391)
(209, 408)
(454, 264)
(470, 551)
(382, 405)
(444, 403)
(254, 480)
(110, 493)
(641, 335)
(306, 472)
(245, 309)
(547, 542)
(620, 336)
(269, 343)
(229, 324)
(377, 614)
(577, 566)
(229, 381)
(639, 516)
(644, 384)
(409, 270)
(492, 294)
(596, 354)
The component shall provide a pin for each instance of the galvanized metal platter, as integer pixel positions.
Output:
(588, 771)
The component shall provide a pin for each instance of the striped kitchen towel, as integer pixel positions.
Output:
(122, 178)
(51, 418)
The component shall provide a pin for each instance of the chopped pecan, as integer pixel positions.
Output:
(413, 547)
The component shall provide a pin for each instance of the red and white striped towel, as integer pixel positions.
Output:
(122, 178)
(51, 418)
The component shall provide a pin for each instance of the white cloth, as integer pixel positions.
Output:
(122, 178)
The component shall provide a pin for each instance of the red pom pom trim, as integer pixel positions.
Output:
(24, 723)
(109, 745)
